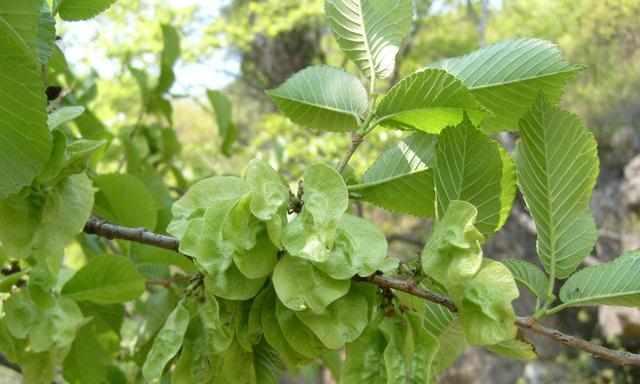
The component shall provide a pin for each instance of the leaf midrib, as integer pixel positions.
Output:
(523, 79)
(599, 297)
(358, 187)
(320, 106)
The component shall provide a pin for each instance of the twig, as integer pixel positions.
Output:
(616, 357)
(102, 228)
(356, 140)
(96, 226)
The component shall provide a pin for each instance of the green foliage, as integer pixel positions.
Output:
(401, 170)
(557, 165)
(370, 32)
(428, 100)
(105, 280)
(266, 278)
(80, 9)
(226, 129)
(511, 76)
(24, 139)
(322, 98)
(530, 276)
(612, 283)
(473, 168)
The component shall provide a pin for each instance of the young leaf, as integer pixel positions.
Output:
(217, 321)
(427, 100)
(87, 360)
(226, 129)
(370, 31)
(322, 98)
(260, 260)
(202, 195)
(401, 179)
(612, 283)
(410, 350)
(530, 276)
(471, 167)
(514, 349)
(57, 325)
(365, 361)
(558, 165)
(299, 337)
(302, 286)
(453, 253)
(268, 192)
(105, 280)
(24, 137)
(360, 249)
(312, 233)
(485, 310)
(72, 10)
(166, 344)
(507, 77)
(63, 115)
(273, 334)
(342, 322)
(231, 284)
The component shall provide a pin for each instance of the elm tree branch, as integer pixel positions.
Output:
(100, 227)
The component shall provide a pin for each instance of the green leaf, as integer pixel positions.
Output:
(63, 115)
(342, 322)
(20, 314)
(514, 349)
(612, 283)
(126, 200)
(46, 33)
(170, 54)
(299, 337)
(260, 260)
(226, 129)
(217, 320)
(87, 361)
(202, 195)
(401, 179)
(508, 76)
(427, 100)
(273, 334)
(56, 326)
(268, 192)
(106, 280)
(311, 234)
(72, 10)
(410, 350)
(453, 253)
(530, 276)
(471, 167)
(302, 286)
(365, 361)
(203, 239)
(322, 98)
(370, 32)
(557, 164)
(231, 284)
(485, 310)
(167, 343)
(25, 143)
(360, 249)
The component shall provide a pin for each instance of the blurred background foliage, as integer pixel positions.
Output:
(244, 47)
(120, 63)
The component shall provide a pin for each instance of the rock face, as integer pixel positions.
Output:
(631, 186)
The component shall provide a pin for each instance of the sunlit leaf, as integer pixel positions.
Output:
(322, 98)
